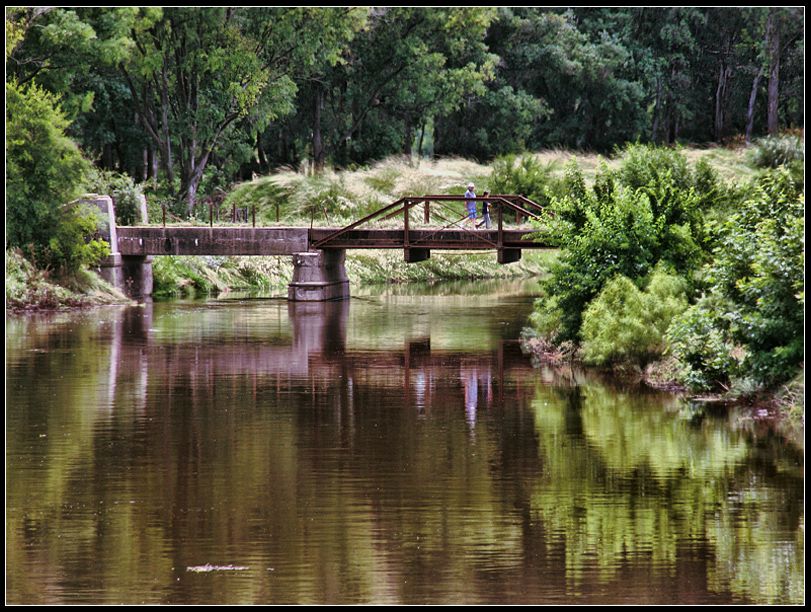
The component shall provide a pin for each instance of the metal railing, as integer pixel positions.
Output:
(442, 204)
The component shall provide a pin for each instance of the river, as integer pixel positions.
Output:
(394, 448)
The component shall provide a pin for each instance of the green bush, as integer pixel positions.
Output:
(122, 189)
(613, 229)
(647, 166)
(755, 293)
(701, 342)
(526, 176)
(44, 176)
(626, 325)
(776, 151)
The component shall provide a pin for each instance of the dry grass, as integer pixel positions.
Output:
(338, 196)
(731, 162)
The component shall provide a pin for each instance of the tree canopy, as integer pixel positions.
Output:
(197, 97)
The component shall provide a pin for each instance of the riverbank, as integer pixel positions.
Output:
(781, 410)
(176, 276)
(29, 289)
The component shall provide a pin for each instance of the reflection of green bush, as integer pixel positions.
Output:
(625, 478)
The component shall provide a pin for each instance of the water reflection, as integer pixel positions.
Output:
(390, 449)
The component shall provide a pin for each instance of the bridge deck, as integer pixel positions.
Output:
(188, 240)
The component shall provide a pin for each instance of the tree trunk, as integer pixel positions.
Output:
(107, 157)
(408, 139)
(720, 101)
(145, 165)
(166, 144)
(773, 47)
(318, 144)
(750, 111)
(154, 164)
(419, 148)
(657, 111)
(260, 154)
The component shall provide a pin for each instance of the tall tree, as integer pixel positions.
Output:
(198, 73)
(406, 66)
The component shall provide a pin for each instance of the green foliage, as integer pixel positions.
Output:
(700, 340)
(44, 175)
(122, 189)
(624, 225)
(776, 151)
(526, 176)
(626, 325)
(756, 300)
(28, 288)
(646, 166)
(500, 122)
(264, 194)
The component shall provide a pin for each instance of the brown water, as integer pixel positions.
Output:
(397, 448)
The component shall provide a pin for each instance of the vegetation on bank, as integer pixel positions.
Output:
(28, 288)
(176, 276)
(662, 261)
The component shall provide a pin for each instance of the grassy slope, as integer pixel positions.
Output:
(31, 289)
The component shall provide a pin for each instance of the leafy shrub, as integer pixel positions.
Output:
(525, 176)
(122, 189)
(624, 324)
(756, 293)
(700, 340)
(44, 176)
(648, 166)
(613, 230)
(775, 151)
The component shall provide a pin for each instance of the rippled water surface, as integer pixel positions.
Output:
(396, 448)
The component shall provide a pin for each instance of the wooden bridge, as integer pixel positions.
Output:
(417, 225)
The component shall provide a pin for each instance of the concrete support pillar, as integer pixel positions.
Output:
(506, 256)
(132, 275)
(136, 277)
(319, 276)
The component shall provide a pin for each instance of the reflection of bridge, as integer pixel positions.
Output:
(316, 354)
(318, 253)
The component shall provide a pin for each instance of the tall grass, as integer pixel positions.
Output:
(339, 197)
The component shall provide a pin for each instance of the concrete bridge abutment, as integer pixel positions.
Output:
(131, 274)
(319, 276)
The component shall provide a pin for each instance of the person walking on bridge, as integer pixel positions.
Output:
(485, 212)
(470, 204)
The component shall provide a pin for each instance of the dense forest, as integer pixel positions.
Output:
(198, 97)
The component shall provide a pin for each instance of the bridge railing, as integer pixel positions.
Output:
(443, 205)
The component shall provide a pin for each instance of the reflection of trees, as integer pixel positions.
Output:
(263, 438)
(249, 453)
(626, 479)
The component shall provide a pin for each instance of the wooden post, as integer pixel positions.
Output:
(427, 213)
(233, 213)
(405, 224)
(163, 210)
(211, 214)
(500, 225)
(253, 215)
